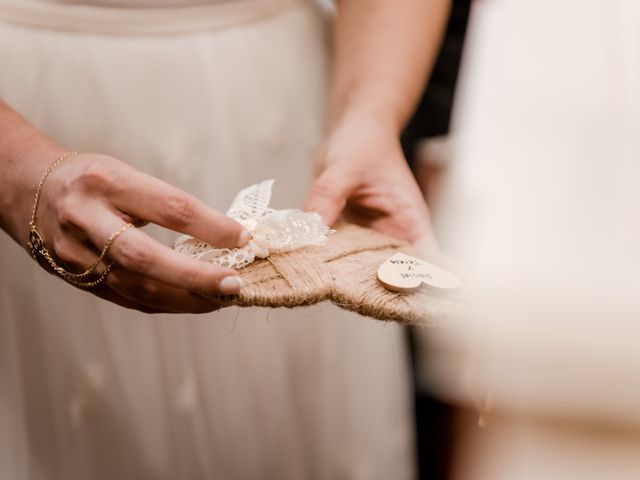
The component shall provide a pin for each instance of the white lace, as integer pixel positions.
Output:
(272, 231)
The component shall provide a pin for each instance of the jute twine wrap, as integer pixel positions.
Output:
(343, 271)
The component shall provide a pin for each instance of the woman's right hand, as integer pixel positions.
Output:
(89, 196)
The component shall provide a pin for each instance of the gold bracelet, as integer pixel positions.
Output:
(42, 255)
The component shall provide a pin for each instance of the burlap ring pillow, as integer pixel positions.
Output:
(342, 269)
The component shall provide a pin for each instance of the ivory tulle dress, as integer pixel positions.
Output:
(211, 97)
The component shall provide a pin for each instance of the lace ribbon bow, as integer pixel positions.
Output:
(272, 231)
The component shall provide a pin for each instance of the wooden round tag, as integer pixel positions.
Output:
(404, 273)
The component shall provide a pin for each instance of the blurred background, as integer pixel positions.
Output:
(534, 188)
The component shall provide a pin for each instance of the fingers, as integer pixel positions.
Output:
(143, 196)
(104, 292)
(136, 251)
(328, 195)
(156, 296)
(133, 290)
(77, 257)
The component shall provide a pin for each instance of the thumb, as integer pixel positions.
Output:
(329, 194)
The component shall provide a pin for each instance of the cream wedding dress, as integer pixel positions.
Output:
(211, 97)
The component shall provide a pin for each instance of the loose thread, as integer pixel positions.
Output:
(235, 321)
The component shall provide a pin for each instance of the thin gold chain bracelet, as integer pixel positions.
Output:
(42, 255)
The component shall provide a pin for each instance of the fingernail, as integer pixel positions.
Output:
(230, 285)
(244, 238)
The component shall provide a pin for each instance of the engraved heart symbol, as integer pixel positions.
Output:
(404, 273)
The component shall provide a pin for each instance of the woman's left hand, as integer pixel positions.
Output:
(361, 174)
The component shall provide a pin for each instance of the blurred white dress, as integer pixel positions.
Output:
(543, 206)
(211, 97)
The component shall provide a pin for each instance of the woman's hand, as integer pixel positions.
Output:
(88, 197)
(361, 173)
(383, 52)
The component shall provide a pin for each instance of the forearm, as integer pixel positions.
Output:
(384, 51)
(24, 152)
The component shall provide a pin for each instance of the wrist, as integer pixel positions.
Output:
(24, 169)
(361, 144)
(378, 105)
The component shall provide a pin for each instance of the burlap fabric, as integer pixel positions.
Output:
(344, 272)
